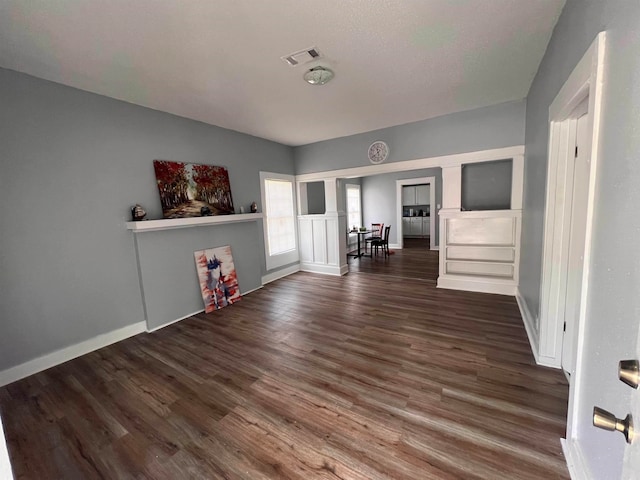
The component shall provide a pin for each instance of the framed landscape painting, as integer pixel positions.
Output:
(217, 277)
(192, 190)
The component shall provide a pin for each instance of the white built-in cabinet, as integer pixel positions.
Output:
(415, 195)
(480, 250)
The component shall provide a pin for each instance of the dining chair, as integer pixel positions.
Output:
(382, 242)
(376, 234)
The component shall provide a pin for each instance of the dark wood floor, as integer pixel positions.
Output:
(373, 375)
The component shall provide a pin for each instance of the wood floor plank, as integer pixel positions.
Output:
(374, 375)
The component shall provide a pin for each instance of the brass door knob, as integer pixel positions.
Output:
(628, 372)
(608, 421)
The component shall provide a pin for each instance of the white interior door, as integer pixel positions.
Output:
(631, 466)
(605, 454)
(578, 225)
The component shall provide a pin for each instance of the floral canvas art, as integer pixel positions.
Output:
(192, 190)
(217, 277)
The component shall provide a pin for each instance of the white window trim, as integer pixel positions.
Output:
(292, 256)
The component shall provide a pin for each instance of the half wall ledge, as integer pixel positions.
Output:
(173, 223)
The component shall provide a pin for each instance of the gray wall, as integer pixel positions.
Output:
(315, 198)
(72, 165)
(487, 185)
(172, 251)
(615, 259)
(481, 129)
(379, 198)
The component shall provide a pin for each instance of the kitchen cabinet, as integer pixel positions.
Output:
(415, 195)
(416, 226)
(426, 226)
(408, 195)
(406, 226)
(422, 195)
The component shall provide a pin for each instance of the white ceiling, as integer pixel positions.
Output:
(218, 61)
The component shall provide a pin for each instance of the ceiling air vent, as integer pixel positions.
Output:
(303, 56)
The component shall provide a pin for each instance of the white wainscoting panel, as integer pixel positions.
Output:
(331, 237)
(321, 250)
(305, 231)
(480, 250)
(319, 232)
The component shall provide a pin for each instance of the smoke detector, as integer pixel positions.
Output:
(318, 76)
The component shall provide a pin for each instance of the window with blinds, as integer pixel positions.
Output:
(280, 231)
(354, 212)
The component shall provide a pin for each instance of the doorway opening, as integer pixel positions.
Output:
(416, 211)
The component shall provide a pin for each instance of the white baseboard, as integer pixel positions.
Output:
(550, 362)
(532, 335)
(324, 269)
(252, 290)
(151, 330)
(270, 277)
(529, 324)
(154, 329)
(575, 460)
(52, 359)
(472, 285)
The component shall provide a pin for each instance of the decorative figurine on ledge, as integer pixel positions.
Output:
(205, 212)
(137, 213)
(254, 207)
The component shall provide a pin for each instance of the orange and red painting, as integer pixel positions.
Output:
(192, 190)
(217, 277)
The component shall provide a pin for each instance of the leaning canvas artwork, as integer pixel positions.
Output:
(217, 277)
(192, 190)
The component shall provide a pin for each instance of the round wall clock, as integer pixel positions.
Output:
(378, 152)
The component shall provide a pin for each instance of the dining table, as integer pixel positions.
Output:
(361, 235)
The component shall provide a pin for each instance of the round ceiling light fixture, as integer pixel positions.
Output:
(318, 76)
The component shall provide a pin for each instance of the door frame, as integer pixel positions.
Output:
(575, 243)
(432, 211)
(586, 81)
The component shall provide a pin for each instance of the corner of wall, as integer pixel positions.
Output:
(281, 273)
(63, 355)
